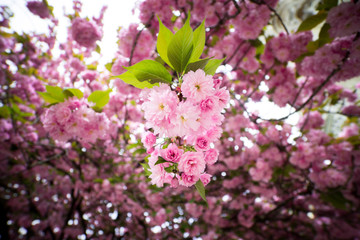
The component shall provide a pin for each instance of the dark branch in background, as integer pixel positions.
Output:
(233, 55)
(242, 57)
(274, 11)
(137, 38)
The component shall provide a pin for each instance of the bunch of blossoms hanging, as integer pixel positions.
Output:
(184, 113)
(190, 116)
(70, 116)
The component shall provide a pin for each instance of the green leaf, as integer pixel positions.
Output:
(336, 198)
(55, 92)
(150, 71)
(70, 92)
(312, 21)
(98, 49)
(197, 65)
(201, 189)
(212, 65)
(327, 4)
(324, 36)
(146, 168)
(48, 98)
(198, 42)
(130, 78)
(181, 47)
(169, 169)
(109, 65)
(100, 98)
(4, 112)
(160, 160)
(164, 38)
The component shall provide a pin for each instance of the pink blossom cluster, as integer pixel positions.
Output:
(191, 115)
(327, 58)
(344, 19)
(251, 20)
(85, 33)
(144, 47)
(38, 8)
(286, 47)
(75, 119)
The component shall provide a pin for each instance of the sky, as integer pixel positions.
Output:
(119, 13)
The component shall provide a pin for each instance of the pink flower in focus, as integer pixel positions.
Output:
(172, 153)
(211, 156)
(197, 85)
(202, 143)
(188, 180)
(224, 97)
(149, 139)
(205, 178)
(192, 163)
(209, 104)
(186, 118)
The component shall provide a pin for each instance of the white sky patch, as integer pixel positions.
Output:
(118, 14)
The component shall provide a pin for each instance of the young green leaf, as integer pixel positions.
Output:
(164, 38)
(197, 65)
(181, 47)
(201, 189)
(55, 92)
(70, 92)
(48, 98)
(312, 21)
(100, 98)
(336, 198)
(160, 160)
(151, 71)
(130, 78)
(212, 65)
(198, 42)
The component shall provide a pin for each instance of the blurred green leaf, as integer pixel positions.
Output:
(201, 189)
(336, 198)
(100, 98)
(70, 92)
(212, 65)
(312, 21)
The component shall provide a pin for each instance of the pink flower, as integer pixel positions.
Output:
(188, 180)
(38, 8)
(149, 139)
(172, 153)
(186, 119)
(209, 104)
(224, 97)
(205, 178)
(193, 209)
(192, 163)
(85, 33)
(197, 85)
(202, 143)
(211, 156)
(63, 113)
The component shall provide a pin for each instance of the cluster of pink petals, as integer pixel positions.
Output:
(192, 114)
(85, 33)
(75, 119)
